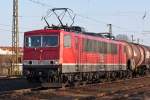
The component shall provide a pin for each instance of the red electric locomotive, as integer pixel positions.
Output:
(68, 54)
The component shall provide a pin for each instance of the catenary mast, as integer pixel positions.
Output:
(15, 39)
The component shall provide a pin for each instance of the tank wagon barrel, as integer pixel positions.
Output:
(137, 55)
(146, 55)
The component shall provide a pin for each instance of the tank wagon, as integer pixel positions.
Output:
(68, 55)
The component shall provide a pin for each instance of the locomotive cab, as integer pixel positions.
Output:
(41, 55)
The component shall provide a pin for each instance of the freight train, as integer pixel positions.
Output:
(69, 55)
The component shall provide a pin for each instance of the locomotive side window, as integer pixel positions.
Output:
(99, 46)
(67, 40)
(109, 48)
(102, 47)
(88, 45)
(114, 48)
(50, 41)
(96, 46)
(85, 45)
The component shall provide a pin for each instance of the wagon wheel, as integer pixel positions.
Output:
(64, 81)
(131, 68)
(131, 65)
(147, 70)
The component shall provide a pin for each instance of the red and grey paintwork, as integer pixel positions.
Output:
(69, 57)
(75, 59)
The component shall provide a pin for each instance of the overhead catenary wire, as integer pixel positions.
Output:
(28, 27)
(8, 30)
(85, 17)
(40, 3)
(11, 26)
(116, 26)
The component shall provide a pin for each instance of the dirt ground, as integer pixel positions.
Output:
(131, 89)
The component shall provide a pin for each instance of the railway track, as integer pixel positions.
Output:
(107, 91)
(12, 84)
(114, 82)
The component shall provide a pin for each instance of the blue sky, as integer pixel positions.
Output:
(124, 15)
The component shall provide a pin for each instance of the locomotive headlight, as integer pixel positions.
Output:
(53, 62)
(25, 62)
(56, 62)
(40, 73)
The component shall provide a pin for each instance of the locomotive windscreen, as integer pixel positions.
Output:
(41, 41)
(50, 41)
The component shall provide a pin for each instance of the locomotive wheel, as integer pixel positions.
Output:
(66, 84)
(124, 75)
(90, 78)
(76, 84)
(142, 71)
(113, 76)
(84, 83)
(108, 76)
(147, 72)
(129, 74)
(120, 74)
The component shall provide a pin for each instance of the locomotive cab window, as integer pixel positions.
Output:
(50, 41)
(33, 41)
(41, 41)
